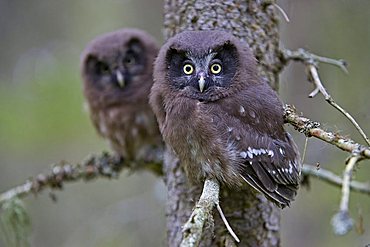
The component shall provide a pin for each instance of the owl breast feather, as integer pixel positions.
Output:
(193, 131)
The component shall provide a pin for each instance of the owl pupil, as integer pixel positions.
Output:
(129, 60)
(103, 68)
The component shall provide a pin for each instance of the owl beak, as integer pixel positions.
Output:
(120, 79)
(201, 82)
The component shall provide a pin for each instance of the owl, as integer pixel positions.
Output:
(116, 69)
(220, 118)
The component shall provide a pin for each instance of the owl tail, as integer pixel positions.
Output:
(280, 194)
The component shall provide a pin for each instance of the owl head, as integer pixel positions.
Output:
(117, 66)
(205, 65)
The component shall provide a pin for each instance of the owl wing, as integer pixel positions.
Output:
(270, 159)
(273, 170)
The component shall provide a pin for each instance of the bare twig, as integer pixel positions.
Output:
(103, 165)
(304, 150)
(347, 176)
(320, 88)
(306, 57)
(311, 61)
(333, 179)
(19, 191)
(227, 223)
(282, 12)
(109, 166)
(311, 128)
(193, 228)
(342, 222)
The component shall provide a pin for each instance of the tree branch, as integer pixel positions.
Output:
(347, 176)
(193, 228)
(306, 57)
(104, 166)
(311, 128)
(109, 166)
(342, 222)
(331, 178)
(311, 61)
(320, 88)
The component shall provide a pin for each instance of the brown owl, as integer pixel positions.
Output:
(220, 118)
(117, 74)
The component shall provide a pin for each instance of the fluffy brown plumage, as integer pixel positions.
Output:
(220, 118)
(117, 74)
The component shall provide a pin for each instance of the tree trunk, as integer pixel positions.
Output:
(255, 220)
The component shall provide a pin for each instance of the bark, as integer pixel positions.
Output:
(255, 220)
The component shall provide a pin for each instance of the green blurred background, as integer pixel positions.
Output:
(42, 120)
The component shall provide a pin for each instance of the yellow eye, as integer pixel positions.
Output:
(188, 69)
(216, 68)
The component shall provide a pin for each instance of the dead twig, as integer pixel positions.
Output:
(312, 129)
(311, 61)
(320, 88)
(347, 176)
(281, 10)
(306, 57)
(333, 179)
(95, 166)
(342, 222)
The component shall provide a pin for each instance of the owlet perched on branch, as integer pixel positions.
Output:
(220, 118)
(117, 73)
